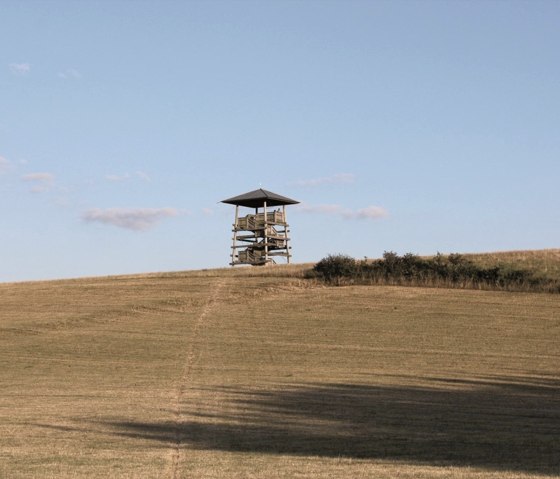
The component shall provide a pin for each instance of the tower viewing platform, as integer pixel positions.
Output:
(263, 235)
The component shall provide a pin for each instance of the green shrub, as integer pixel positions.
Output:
(335, 267)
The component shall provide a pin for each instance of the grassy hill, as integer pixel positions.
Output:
(261, 373)
(545, 263)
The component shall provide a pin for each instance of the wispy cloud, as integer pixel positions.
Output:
(141, 175)
(4, 165)
(41, 182)
(339, 178)
(370, 212)
(322, 209)
(20, 68)
(70, 74)
(117, 178)
(136, 219)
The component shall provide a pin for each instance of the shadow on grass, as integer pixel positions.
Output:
(493, 424)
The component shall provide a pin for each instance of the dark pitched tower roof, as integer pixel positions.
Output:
(255, 199)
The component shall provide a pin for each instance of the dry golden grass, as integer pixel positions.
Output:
(257, 373)
(545, 263)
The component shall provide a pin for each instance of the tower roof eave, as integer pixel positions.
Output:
(256, 199)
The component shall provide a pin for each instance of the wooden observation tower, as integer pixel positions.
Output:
(261, 237)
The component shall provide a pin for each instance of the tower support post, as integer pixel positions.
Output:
(265, 234)
(287, 236)
(234, 231)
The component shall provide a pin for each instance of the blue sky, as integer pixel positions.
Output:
(405, 126)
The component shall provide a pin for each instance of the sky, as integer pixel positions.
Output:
(407, 126)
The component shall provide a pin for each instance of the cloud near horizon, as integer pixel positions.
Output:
(370, 212)
(127, 176)
(70, 74)
(339, 178)
(136, 219)
(4, 165)
(20, 68)
(41, 181)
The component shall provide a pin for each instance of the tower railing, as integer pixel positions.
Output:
(257, 221)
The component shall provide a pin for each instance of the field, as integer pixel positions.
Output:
(258, 373)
